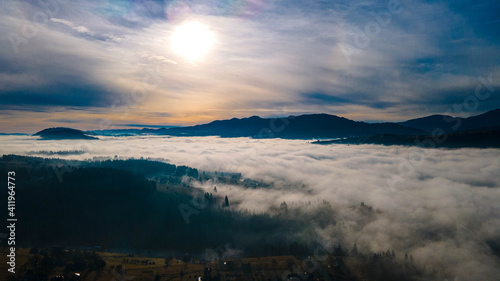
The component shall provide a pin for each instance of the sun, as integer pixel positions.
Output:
(192, 40)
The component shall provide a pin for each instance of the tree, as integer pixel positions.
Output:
(226, 201)
(283, 206)
(215, 188)
(354, 251)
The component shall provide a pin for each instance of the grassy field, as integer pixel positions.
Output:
(144, 268)
(125, 267)
(121, 266)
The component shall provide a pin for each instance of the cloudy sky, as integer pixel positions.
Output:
(104, 64)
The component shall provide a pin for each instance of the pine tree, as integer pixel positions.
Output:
(354, 251)
(226, 201)
(283, 206)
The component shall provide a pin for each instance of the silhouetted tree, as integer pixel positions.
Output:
(284, 206)
(354, 251)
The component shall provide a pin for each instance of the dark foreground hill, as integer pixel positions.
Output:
(142, 205)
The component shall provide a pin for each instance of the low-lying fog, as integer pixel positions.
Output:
(441, 206)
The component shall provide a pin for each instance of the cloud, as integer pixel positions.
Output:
(84, 32)
(425, 59)
(69, 121)
(81, 29)
(66, 22)
(444, 212)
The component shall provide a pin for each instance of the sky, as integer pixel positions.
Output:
(442, 209)
(113, 64)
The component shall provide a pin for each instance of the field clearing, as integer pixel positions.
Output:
(121, 266)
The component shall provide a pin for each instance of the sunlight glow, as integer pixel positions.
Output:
(192, 40)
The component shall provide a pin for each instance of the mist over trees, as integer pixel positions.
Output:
(93, 204)
(136, 205)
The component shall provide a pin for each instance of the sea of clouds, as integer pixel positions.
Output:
(442, 206)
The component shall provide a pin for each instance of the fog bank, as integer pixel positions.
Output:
(441, 206)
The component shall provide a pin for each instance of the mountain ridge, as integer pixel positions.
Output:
(305, 126)
(312, 126)
(450, 124)
(323, 125)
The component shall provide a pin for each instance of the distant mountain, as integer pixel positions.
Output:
(429, 123)
(489, 138)
(483, 121)
(63, 133)
(125, 132)
(292, 127)
(14, 134)
(320, 126)
(116, 132)
(450, 124)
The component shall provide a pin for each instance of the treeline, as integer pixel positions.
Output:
(96, 205)
(146, 167)
(159, 171)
